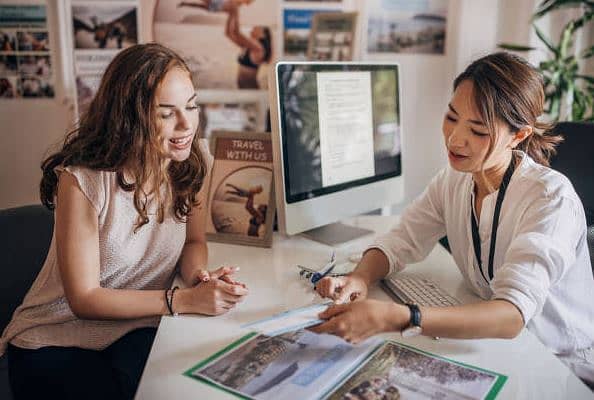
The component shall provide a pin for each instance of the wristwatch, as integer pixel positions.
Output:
(414, 325)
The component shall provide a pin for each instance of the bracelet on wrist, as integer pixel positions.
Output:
(169, 299)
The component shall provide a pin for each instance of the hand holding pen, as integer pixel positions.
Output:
(325, 270)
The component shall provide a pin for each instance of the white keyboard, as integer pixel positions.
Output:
(417, 290)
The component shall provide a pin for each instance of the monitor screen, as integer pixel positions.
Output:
(340, 126)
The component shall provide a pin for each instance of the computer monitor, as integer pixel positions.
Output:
(337, 137)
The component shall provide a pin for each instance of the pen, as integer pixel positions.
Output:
(325, 270)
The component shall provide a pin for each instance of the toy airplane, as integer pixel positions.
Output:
(330, 269)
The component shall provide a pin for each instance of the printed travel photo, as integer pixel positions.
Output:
(104, 26)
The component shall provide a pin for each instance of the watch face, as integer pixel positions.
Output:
(412, 331)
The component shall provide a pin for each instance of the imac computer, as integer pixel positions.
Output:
(337, 137)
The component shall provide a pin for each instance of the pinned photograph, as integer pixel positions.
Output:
(33, 41)
(230, 116)
(86, 87)
(332, 37)
(7, 40)
(104, 26)
(35, 65)
(228, 44)
(32, 86)
(241, 192)
(297, 30)
(8, 65)
(407, 27)
(8, 87)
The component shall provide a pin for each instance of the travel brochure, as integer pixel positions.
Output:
(303, 365)
(241, 192)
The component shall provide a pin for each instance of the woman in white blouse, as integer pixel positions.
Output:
(538, 274)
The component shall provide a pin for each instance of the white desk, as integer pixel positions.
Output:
(272, 278)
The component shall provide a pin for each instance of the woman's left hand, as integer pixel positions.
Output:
(223, 273)
(361, 319)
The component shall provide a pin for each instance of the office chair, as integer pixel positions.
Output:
(25, 237)
(575, 160)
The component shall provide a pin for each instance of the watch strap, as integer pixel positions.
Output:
(415, 315)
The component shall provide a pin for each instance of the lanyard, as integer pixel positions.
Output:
(476, 239)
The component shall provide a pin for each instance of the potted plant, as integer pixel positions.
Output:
(569, 94)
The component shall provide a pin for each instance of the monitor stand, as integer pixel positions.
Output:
(336, 234)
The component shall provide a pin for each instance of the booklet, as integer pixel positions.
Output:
(291, 320)
(304, 365)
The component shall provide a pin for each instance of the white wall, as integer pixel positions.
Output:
(29, 127)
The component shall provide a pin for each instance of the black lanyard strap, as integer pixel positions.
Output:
(476, 239)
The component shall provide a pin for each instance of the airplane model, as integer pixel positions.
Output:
(332, 269)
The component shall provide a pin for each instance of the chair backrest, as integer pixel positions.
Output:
(575, 160)
(25, 237)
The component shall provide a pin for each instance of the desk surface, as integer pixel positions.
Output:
(272, 278)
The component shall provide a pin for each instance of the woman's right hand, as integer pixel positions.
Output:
(213, 297)
(342, 289)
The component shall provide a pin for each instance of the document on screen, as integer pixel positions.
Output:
(345, 115)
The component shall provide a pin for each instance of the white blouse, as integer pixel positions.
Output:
(541, 262)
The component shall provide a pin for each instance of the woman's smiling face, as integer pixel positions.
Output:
(466, 136)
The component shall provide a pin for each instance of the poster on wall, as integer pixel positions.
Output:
(227, 44)
(25, 59)
(297, 24)
(332, 37)
(100, 29)
(405, 26)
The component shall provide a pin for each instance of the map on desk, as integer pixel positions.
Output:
(305, 365)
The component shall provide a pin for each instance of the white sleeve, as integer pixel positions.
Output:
(421, 225)
(542, 250)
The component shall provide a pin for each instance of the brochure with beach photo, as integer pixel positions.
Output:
(304, 365)
(241, 193)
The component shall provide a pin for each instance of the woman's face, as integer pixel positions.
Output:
(177, 114)
(466, 136)
(257, 32)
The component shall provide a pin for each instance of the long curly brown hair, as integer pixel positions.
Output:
(119, 132)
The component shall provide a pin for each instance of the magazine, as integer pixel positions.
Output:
(304, 365)
(397, 371)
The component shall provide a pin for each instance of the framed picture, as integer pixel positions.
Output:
(332, 37)
(240, 205)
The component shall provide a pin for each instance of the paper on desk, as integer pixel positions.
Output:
(288, 321)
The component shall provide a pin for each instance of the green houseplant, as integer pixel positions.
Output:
(569, 94)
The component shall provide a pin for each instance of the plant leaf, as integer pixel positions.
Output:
(587, 78)
(515, 47)
(550, 5)
(578, 23)
(546, 40)
(587, 53)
